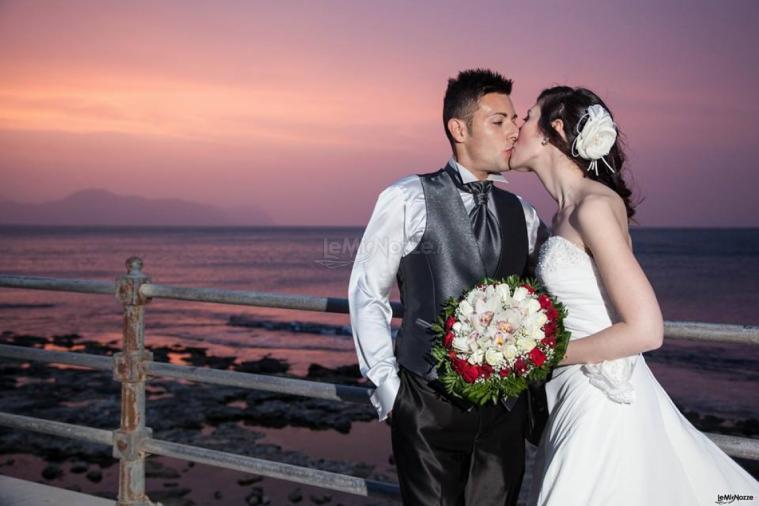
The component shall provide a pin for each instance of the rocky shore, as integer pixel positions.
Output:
(223, 418)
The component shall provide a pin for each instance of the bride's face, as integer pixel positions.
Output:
(528, 147)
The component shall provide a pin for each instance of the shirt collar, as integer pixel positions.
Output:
(468, 177)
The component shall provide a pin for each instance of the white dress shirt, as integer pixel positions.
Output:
(394, 230)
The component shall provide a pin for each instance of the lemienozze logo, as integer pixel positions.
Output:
(731, 498)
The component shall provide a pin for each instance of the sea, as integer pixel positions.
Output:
(704, 275)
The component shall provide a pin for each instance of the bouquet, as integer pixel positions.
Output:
(498, 337)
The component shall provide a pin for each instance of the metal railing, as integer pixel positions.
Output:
(133, 439)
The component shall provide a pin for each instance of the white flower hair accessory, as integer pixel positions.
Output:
(595, 140)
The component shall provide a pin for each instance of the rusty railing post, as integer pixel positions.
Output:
(130, 366)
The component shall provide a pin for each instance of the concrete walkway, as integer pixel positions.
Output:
(15, 492)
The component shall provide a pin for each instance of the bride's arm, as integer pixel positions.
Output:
(640, 327)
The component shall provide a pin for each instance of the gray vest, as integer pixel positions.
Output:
(447, 262)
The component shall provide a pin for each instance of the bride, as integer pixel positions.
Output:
(613, 435)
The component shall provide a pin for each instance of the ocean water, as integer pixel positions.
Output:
(708, 275)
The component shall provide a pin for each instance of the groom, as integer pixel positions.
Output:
(438, 234)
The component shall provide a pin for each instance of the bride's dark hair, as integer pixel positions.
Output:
(569, 105)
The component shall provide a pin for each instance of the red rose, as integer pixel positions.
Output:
(470, 372)
(466, 370)
(504, 372)
(449, 322)
(545, 301)
(551, 313)
(448, 339)
(549, 328)
(452, 355)
(529, 288)
(520, 366)
(549, 341)
(537, 356)
(486, 370)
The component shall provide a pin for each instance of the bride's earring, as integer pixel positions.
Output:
(544, 141)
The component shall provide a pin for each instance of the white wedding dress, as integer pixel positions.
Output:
(614, 437)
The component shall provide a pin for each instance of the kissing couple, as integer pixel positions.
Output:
(606, 431)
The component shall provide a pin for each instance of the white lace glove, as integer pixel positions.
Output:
(613, 378)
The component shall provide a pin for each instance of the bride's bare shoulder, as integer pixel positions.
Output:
(600, 199)
(600, 212)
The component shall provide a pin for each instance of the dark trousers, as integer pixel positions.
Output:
(449, 457)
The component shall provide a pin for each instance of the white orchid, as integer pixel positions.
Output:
(503, 295)
(510, 352)
(520, 294)
(494, 357)
(460, 344)
(465, 309)
(476, 357)
(533, 306)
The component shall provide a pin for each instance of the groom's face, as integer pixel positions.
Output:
(490, 139)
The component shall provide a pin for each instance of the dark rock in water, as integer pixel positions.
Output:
(79, 467)
(295, 496)
(98, 349)
(250, 480)
(52, 472)
(321, 499)
(66, 341)
(290, 326)
(95, 476)
(26, 340)
(313, 413)
(222, 363)
(165, 496)
(748, 427)
(266, 365)
(346, 374)
(256, 497)
(154, 469)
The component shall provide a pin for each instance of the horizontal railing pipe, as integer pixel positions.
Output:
(672, 329)
(260, 299)
(288, 472)
(57, 357)
(720, 332)
(741, 447)
(58, 285)
(268, 383)
(54, 428)
(735, 446)
(264, 382)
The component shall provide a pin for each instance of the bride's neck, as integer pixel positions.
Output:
(562, 179)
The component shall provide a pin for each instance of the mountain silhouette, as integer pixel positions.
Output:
(101, 207)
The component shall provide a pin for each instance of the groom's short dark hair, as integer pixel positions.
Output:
(465, 91)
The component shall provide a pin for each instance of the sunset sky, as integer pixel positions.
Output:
(308, 109)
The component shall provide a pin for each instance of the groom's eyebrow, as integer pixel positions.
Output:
(515, 115)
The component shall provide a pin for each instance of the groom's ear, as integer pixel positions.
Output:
(558, 125)
(458, 129)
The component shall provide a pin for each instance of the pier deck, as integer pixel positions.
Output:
(15, 492)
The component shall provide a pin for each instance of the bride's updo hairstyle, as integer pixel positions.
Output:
(571, 106)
